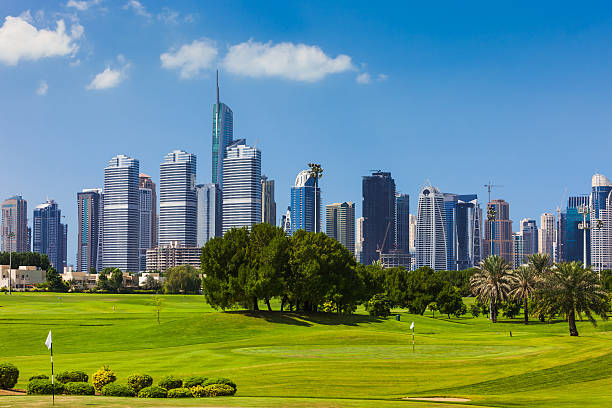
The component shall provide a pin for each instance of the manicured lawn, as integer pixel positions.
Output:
(294, 360)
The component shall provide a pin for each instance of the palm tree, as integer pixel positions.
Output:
(492, 281)
(540, 263)
(569, 288)
(524, 285)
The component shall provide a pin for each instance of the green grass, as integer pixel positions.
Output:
(306, 360)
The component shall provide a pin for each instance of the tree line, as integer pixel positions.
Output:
(18, 259)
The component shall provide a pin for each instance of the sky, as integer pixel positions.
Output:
(455, 93)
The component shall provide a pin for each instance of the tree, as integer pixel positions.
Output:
(524, 285)
(492, 282)
(54, 281)
(378, 306)
(182, 279)
(103, 283)
(151, 283)
(567, 289)
(540, 263)
(116, 279)
(157, 302)
(413, 290)
(449, 301)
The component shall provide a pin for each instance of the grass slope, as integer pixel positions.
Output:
(296, 360)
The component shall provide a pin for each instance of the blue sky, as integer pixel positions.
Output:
(455, 92)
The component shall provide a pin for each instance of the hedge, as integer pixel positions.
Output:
(102, 377)
(117, 390)
(225, 381)
(9, 374)
(79, 388)
(39, 377)
(43, 387)
(72, 376)
(219, 390)
(139, 381)
(179, 393)
(170, 382)
(153, 392)
(194, 380)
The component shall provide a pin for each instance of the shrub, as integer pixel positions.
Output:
(224, 381)
(72, 376)
(39, 377)
(197, 391)
(475, 310)
(219, 390)
(170, 382)
(102, 377)
(79, 388)
(8, 375)
(179, 393)
(378, 306)
(139, 381)
(194, 380)
(117, 390)
(43, 387)
(153, 392)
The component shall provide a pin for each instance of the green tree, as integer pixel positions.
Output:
(492, 282)
(450, 302)
(116, 279)
(54, 281)
(414, 290)
(103, 283)
(524, 286)
(182, 279)
(569, 288)
(151, 283)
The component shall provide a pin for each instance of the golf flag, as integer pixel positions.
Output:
(411, 328)
(48, 341)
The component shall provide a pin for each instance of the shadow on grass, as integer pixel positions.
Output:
(308, 319)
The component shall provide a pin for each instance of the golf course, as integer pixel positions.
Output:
(305, 360)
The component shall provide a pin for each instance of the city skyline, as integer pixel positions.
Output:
(173, 110)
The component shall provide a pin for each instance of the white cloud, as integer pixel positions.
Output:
(19, 39)
(110, 78)
(382, 77)
(138, 8)
(190, 59)
(364, 78)
(298, 62)
(82, 5)
(168, 16)
(190, 18)
(42, 88)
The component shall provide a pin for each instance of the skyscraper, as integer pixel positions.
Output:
(573, 237)
(121, 214)
(15, 225)
(546, 235)
(518, 249)
(148, 219)
(468, 232)
(285, 223)
(402, 222)
(340, 223)
(177, 199)
(412, 233)
(498, 232)
(241, 186)
(304, 197)
(89, 250)
(222, 137)
(359, 240)
(210, 219)
(268, 205)
(431, 232)
(529, 234)
(601, 223)
(50, 234)
(378, 211)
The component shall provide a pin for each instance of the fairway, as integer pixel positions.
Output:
(318, 360)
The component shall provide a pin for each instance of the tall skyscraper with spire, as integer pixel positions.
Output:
(222, 136)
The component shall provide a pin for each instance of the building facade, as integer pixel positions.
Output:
(171, 255)
(268, 205)
(498, 231)
(431, 242)
(402, 222)
(359, 239)
(467, 231)
(210, 218)
(14, 234)
(121, 222)
(378, 211)
(89, 249)
(573, 237)
(305, 203)
(241, 186)
(546, 235)
(177, 199)
(601, 223)
(49, 234)
(222, 136)
(145, 236)
(518, 250)
(340, 223)
(529, 232)
(145, 181)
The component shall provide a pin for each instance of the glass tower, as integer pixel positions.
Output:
(15, 225)
(402, 222)
(50, 234)
(378, 211)
(303, 201)
(431, 245)
(210, 218)
(90, 230)
(222, 136)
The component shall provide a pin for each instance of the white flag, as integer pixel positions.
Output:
(48, 341)
(411, 328)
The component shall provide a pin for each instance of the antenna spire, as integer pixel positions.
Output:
(217, 89)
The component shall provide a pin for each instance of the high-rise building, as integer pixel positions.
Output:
(340, 223)
(431, 229)
(402, 222)
(573, 237)
(145, 181)
(15, 236)
(462, 221)
(518, 249)
(546, 235)
(210, 218)
(601, 223)
(412, 233)
(305, 203)
(222, 137)
(121, 214)
(285, 223)
(148, 219)
(50, 234)
(359, 239)
(89, 249)
(498, 232)
(378, 211)
(241, 186)
(530, 242)
(177, 199)
(268, 205)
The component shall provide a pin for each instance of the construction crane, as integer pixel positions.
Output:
(380, 248)
(489, 187)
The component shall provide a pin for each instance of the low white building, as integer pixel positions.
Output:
(21, 279)
(82, 279)
(142, 279)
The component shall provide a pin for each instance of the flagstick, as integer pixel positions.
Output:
(413, 339)
(52, 385)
